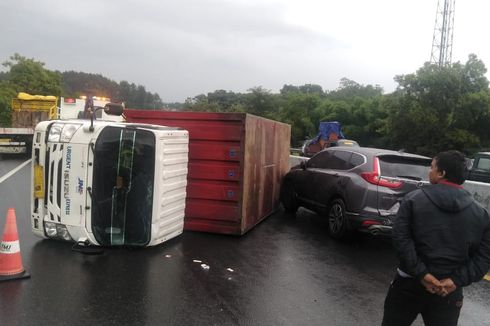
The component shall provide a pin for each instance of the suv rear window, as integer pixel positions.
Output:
(404, 167)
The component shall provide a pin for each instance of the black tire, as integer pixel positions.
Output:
(288, 198)
(337, 220)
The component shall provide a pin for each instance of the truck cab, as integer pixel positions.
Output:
(480, 169)
(73, 108)
(108, 183)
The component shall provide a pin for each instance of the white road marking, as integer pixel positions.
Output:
(12, 172)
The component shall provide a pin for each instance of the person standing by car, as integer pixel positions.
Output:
(442, 239)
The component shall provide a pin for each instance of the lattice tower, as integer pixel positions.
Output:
(442, 41)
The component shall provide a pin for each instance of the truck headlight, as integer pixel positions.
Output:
(55, 132)
(63, 232)
(57, 231)
(68, 131)
(50, 229)
(62, 132)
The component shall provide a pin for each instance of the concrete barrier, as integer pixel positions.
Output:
(479, 190)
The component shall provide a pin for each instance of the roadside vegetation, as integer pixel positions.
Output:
(432, 109)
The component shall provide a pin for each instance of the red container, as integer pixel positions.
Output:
(236, 162)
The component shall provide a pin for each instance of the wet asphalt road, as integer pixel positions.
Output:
(286, 271)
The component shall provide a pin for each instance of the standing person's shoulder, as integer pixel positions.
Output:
(482, 211)
(415, 194)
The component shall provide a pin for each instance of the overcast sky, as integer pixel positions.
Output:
(183, 48)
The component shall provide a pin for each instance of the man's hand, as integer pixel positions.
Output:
(432, 284)
(448, 286)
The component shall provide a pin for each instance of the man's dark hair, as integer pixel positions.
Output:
(453, 163)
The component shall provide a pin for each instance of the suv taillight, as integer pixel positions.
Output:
(374, 177)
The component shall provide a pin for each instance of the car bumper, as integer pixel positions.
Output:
(378, 230)
(373, 224)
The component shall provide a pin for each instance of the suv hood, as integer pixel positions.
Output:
(448, 198)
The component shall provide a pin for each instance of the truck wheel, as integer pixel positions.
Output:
(289, 199)
(337, 220)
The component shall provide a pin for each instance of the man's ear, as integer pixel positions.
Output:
(443, 174)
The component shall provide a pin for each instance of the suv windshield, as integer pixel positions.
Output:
(404, 167)
(122, 192)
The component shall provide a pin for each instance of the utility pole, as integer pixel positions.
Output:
(442, 40)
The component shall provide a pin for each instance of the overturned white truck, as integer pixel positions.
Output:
(108, 183)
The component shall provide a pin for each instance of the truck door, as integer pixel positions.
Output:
(481, 169)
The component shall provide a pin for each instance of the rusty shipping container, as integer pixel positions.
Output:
(236, 162)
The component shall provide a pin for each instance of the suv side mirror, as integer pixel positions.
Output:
(114, 108)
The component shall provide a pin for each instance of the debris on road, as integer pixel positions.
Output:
(204, 266)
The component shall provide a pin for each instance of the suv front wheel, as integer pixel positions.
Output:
(288, 198)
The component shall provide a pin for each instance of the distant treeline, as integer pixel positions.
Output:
(435, 108)
(75, 84)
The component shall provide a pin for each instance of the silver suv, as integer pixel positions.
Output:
(358, 188)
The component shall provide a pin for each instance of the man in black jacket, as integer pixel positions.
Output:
(442, 239)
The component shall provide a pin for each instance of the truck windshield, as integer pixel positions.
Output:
(122, 186)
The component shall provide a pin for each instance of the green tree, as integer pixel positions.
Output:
(439, 108)
(6, 95)
(306, 89)
(259, 101)
(30, 76)
(300, 110)
(349, 89)
(225, 101)
(25, 75)
(76, 84)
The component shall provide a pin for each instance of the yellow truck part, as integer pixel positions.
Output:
(27, 111)
(31, 104)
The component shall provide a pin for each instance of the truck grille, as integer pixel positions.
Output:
(53, 176)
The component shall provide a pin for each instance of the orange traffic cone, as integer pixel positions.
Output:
(10, 260)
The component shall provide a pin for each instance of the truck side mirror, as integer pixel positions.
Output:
(109, 108)
(114, 108)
